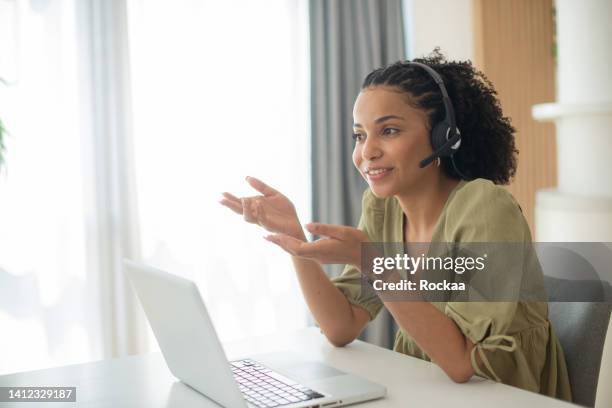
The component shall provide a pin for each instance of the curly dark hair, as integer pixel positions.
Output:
(487, 137)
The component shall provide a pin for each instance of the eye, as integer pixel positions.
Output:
(358, 137)
(390, 131)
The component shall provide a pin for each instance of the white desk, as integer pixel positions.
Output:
(144, 381)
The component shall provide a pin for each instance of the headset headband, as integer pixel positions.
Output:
(449, 115)
(445, 137)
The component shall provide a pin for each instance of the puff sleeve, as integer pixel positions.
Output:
(486, 213)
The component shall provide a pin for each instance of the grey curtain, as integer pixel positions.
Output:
(348, 39)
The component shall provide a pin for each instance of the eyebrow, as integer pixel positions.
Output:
(381, 120)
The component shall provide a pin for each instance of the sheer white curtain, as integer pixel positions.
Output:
(220, 91)
(49, 311)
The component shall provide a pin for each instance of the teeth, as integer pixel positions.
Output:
(377, 171)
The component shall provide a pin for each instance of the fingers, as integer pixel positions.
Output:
(260, 186)
(329, 230)
(286, 242)
(314, 250)
(237, 208)
(254, 205)
(248, 207)
(231, 202)
(249, 210)
(231, 197)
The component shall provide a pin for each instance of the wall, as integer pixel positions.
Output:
(444, 23)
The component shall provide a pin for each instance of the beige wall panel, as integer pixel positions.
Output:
(513, 46)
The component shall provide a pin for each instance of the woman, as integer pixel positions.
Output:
(449, 199)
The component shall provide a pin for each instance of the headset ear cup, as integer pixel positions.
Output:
(438, 138)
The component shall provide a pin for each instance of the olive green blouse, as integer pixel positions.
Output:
(515, 340)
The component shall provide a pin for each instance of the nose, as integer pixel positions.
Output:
(371, 150)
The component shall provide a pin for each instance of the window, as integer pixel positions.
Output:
(220, 91)
(48, 303)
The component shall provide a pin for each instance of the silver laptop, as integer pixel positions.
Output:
(194, 355)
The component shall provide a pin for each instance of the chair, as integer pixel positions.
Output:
(581, 327)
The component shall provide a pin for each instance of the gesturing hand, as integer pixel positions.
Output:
(272, 210)
(342, 245)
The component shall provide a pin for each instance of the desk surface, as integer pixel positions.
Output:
(144, 381)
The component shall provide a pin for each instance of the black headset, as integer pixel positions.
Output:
(445, 137)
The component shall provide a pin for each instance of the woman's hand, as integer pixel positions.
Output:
(272, 210)
(342, 245)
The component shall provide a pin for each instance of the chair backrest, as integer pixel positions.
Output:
(581, 328)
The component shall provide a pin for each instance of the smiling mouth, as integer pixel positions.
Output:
(376, 172)
(377, 175)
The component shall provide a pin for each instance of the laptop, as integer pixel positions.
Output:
(194, 354)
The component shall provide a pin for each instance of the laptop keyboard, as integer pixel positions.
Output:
(265, 388)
